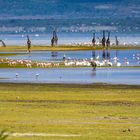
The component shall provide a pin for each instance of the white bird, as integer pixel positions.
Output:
(126, 61)
(98, 57)
(118, 64)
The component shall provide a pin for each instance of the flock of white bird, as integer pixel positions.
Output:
(29, 63)
(70, 62)
(67, 62)
(99, 63)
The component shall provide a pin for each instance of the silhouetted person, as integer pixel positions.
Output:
(29, 44)
(117, 41)
(3, 44)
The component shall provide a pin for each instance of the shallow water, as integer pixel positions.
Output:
(68, 38)
(72, 75)
(133, 56)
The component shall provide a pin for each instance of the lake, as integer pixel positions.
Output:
(72, 75)
(133, 56)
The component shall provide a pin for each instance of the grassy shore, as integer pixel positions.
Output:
(64, 48)
(61, 65)
(101, 112)
(11, 54)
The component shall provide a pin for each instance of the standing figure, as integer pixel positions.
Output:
(29, 44)
(3, 44)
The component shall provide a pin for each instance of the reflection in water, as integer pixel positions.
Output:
(29, 55)
(93, 73)
(72, 75)
(103, 55)
(54, 54)
(108, 55)
(117, 53)
(93, 54)
(133, 56)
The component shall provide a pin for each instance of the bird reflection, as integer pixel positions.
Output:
(93, 74)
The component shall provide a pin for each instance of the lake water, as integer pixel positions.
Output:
(133, 56)
(68, 38)
(75, 75)
(72, 75)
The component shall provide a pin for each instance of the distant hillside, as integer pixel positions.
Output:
(69, 8)
(41, 16)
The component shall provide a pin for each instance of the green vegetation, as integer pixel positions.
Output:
(61, 65)
(10, 54)
(101, 112)
(5, 65)
(63, 48)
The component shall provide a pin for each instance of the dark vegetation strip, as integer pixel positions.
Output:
(83, 102)
(44, 86)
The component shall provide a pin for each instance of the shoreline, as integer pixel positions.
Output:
(83, 85)
(64, 48)
(75, 85)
